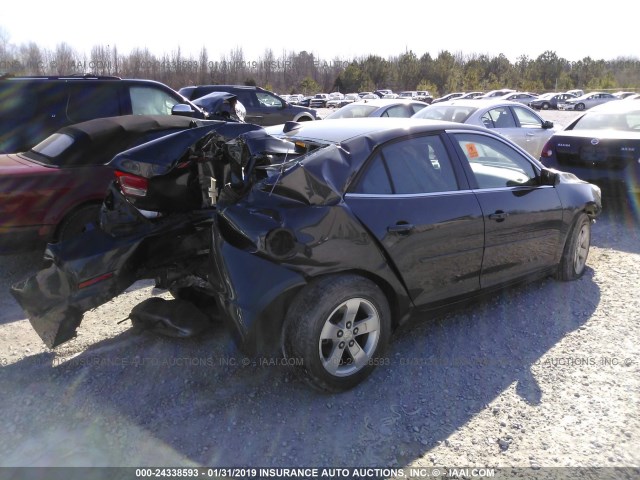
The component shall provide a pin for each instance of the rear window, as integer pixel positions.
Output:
(451, 113)
(355, 110)
(54, 145)
(609, 121)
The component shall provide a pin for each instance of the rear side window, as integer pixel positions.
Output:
(396, 111)
(92, 100)
(498, 118)
(151, 101)
(29, 100)
(16, 102)
(411, 166)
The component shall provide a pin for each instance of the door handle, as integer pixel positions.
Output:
(499, 216)
(400, 228)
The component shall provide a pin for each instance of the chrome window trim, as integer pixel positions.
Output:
(406, 195)
(447, 193)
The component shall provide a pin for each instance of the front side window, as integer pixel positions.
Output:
(410, 166)
(495, 164)
(526, 118)
(268, 100)
(151, 101)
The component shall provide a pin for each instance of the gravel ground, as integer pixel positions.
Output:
(542, 375)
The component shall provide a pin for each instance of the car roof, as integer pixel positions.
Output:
(381, 129)
(482, 103)
(385, 102)
(104, 127)
(97, 141)
(589, 94)
(244, 87)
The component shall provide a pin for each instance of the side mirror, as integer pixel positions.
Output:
(547, 124)
(548, 177)
(183, 110)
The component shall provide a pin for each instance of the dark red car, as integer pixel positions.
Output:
(52, 191)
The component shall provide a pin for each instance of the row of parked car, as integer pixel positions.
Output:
(570, 100)
(35, 107)
(302, 236)
(337, 99)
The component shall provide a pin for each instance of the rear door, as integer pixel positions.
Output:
(89, 99)
(30, 111)
(502, 120)
(522, 217)
(416, 202)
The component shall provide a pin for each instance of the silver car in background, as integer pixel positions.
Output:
(400, 107)
(517, 122)
(586, 101)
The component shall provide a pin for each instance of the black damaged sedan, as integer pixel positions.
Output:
(318, 239)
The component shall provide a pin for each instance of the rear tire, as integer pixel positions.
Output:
(338, 327)
(576, 250)
(76, 222)
(545, 106)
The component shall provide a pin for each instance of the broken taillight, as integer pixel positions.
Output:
(132, 184)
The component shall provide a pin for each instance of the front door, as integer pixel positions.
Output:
(522, 217)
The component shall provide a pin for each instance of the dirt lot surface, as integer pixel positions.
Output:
(542, 375)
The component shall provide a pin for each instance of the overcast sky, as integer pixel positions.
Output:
(332, 28)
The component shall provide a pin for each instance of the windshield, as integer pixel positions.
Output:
(355, 110)
(449, 113)
(609, 121)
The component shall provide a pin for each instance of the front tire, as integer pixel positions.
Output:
(576, 250)
(339, 327)
(580, 106)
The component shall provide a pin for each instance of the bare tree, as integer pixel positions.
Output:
(32, 59)
(203, 68)
(100, 60)
(64, 59)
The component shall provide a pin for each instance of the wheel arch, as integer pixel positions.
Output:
(70, 212)
(272, 319)
(303, 117)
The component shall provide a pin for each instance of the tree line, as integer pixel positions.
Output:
(302, 72)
